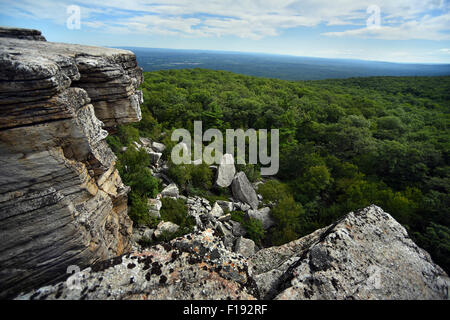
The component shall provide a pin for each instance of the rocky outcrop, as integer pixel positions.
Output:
(226, 171)
(62, 201)
(243, 190)
(365, 255)
(196, 266)
(18, 33)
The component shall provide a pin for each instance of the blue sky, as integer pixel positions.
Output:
(406, 31)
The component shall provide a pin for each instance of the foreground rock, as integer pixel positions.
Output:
(196, 266)
(62, 201)
(244, 246)
(243, 190)
(365, 255)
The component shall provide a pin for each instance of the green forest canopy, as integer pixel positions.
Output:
(344, 144)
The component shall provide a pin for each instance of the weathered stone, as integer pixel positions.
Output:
(142, 232)
(62, 201)
(225, 217)
(154, 157)
(226, 171)
(165, 227)
(243, 190)
(158, 147)
(154, 206)
(216, 210)
(196, 266)
(226, 235)
(19, 33)
(170, 191)
(262, 215)
(145, 142)
(365, 255)
(237, 229)
(244, 246)
(227, 206)
(241, 206)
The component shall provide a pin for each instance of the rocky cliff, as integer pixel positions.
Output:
(62, 201)
(365, 255)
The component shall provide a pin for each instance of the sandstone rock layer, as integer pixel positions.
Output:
(62, 201)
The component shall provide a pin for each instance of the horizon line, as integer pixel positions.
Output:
(284, 55)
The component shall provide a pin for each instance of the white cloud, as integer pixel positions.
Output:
(254, 19)
(427, 27)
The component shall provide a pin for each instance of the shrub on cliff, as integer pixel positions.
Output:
(254, 228)
(273, 190)
(133, 168)
(176, 211)
(189, 176)
(287, 214)
(138, 211)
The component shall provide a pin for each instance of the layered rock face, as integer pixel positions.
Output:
(18, 33)
(365, 255)
(62, 201)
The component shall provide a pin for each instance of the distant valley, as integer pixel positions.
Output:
(279, 66)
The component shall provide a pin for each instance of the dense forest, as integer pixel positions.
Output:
(344, 144)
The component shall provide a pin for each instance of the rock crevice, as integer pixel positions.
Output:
(62, 201)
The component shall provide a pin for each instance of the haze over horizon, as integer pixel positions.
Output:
(274, 54)
(404, 31)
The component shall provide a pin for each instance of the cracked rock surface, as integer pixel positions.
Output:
(365, 255)
(62, 201)
(196, 266)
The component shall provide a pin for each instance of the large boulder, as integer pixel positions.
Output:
(262, 215)
(243, 190)
(154, 157)
(216, 210)
(165, 228)
(170, 191)
(158, 147)
(365, 255)
(154, 207)
(226, 171)
(244, 246)
(237, 229)
(227, 206)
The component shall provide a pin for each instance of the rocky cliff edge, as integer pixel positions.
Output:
(365, 255)
(62, 201)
